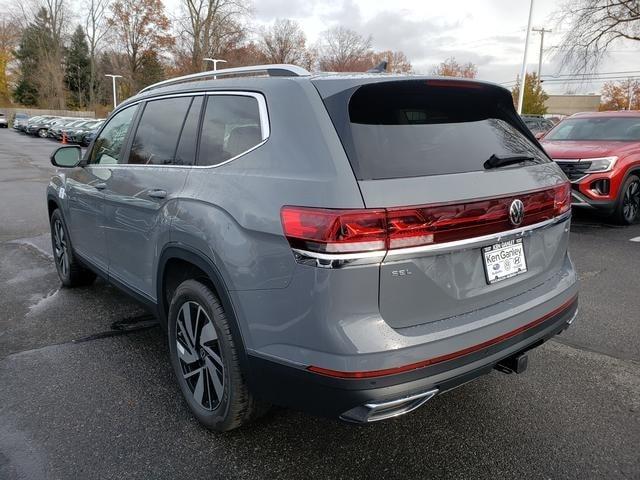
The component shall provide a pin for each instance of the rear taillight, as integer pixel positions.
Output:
(562, 198)
(334, 231)
(352, 231)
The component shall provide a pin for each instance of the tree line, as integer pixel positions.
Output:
(55, 53)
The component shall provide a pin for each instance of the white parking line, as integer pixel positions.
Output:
(635, 239)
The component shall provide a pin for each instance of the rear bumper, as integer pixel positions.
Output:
(332, 396)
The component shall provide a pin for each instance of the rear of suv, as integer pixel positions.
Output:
(348, 245)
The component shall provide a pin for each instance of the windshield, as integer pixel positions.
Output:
(626, 129)
(409, 129)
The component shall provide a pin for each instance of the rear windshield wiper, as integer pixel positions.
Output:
(497, 161)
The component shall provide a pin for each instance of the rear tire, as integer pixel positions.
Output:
(628, 204)
(205, 359)
(70, 271)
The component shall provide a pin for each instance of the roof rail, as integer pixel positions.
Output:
(274, 70)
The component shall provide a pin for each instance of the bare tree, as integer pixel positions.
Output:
(96, 28)
(283, 42)
(342, 49)
(141, 28)
(209, 27)
(592, 26)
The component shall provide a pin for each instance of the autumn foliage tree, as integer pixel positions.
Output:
(141, 30)
(397, 61)
(451, 68)
(534, 96)
(9, 38)
(622, 95)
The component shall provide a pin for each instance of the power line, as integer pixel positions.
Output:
(588, 75)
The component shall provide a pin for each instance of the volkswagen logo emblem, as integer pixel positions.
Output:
(516, 212)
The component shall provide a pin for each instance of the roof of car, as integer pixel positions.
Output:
(328, 82)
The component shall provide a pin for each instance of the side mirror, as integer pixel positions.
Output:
(540, 135)
(66, 157)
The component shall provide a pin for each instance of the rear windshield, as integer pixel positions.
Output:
(626, 129)
(411, 128)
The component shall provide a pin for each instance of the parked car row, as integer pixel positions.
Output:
(537, 124)
(71, 129)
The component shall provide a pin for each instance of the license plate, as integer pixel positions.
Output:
(504, 260)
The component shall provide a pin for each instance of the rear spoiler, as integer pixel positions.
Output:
(337, 90)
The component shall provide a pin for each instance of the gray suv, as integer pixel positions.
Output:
(346, 244)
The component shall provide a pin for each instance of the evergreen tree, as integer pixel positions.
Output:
(150, 71)
(28, 56)
(41, 72)
(25, 93)
(78, 69)
(534, 96)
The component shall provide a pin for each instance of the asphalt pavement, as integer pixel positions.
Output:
(86, 389)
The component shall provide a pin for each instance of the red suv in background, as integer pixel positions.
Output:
(600, 153)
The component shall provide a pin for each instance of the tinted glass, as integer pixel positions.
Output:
(158, 131)
(410, 129)
(108, 145)
(625, 129)
(186, 152)
(231, 126)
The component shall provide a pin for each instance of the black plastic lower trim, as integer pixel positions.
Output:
(321, 395)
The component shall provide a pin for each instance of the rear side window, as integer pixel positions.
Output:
(230, 127)
(411, 128)
(157, 134)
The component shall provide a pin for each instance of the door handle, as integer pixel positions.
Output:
(100, 186)
(157, 193)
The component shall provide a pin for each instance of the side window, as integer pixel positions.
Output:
(186, 152)
(108, 145)
(231, 126)
(157, 134)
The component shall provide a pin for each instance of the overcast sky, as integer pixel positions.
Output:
(489, 33)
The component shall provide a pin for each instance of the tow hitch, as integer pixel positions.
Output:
(514, 364)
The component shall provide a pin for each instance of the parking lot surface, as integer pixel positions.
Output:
(86, 389)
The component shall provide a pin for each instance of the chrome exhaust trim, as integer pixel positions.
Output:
(376, 411)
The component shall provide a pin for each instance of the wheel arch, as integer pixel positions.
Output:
(183, 255)
(52, 204)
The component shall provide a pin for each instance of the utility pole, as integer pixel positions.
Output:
(523, 71)
(113, 82)
(541, 31)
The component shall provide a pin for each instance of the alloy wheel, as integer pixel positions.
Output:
(61, 249)
(200, 355)
(631, 201)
